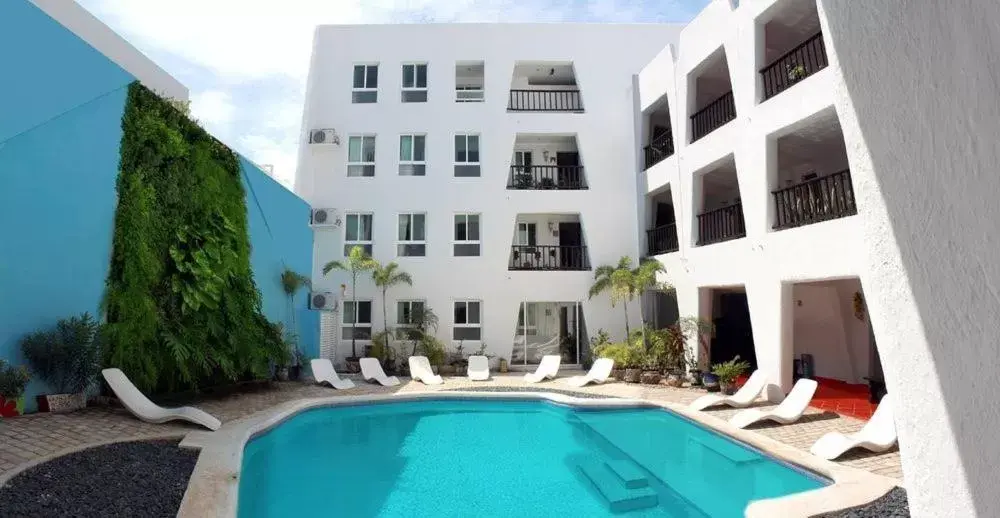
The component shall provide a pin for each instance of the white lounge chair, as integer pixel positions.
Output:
(371, 370)
(479, 368)
(789, 411)
(420, 370)
(324, 373)
(743, 397)
(140, 406)
(599, 372)
(547, 369)
(878, 435)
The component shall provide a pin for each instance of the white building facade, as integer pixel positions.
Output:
(494, 163)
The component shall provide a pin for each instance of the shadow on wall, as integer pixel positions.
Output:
(925, 96)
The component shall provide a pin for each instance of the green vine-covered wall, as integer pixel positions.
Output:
(181, 303)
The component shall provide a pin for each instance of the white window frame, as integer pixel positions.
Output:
(351, 244)
(365, 88)
(356, 324)
(400, 241)
(409, 302)
(467, 325)
(479, 149)
(456, 241)
(526, 226)
(414, 88)
(413, 149)
(362, 162)
(529, 325)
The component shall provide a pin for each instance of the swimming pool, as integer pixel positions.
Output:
(465, 458)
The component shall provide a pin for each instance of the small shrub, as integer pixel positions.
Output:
(13, 380)
(729, 371)
(67, 357)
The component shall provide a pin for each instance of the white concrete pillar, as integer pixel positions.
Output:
(771, 308)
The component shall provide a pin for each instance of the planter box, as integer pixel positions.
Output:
(61, 403)
(651, 378)
(633, 375)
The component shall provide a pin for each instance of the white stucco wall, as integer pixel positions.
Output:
(604, 138)
(88, 28)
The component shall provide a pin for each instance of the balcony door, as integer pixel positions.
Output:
(547, 328)
(571, 245)
(568, 171)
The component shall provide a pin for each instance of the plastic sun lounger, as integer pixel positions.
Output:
(547, 369)
(140, 406)
(420, 370)
(743, 398)
(599, 372)
(479, 368)
(789, 411)
(878, 435)
(324, 373)
(371, 369)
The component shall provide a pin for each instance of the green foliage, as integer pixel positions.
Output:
(433, 349)
(626, 355)
(729, 371)
(67, 357)
(181, 305)
(13, 380)
(386, 277)
(423, 321)
(381, 347)
(358, 261)
(292, 282)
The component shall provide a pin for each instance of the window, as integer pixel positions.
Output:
(530, 310)
(411, 155)
(522, 159)
(357, 320)
(357, 232)
(412, 235)
(526, 234)
(466, 155)
(415, 83)
(466, 235)
(361, 156)
(405, 309)
(365, 84)
(469, 81)
(468, 325)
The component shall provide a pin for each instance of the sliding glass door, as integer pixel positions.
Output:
(547, 328)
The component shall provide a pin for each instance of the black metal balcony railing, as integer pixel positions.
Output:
(716, 226)
(713, 116)
(662, 239)
(549, 257)
(540, 177)
(545, 101)
(660, 148)
(820, 199)
(797, 64)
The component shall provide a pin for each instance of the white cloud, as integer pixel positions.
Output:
(281, 153)
(213, 108)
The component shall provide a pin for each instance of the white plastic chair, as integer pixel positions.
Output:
(420, 370)
(324, 372)
(599, 372)
(743, 397)
(878, 435)
(371, 370)
(789, 411)
(140, 406)
(547, 369)
(479, 368)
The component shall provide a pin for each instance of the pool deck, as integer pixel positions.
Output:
(28, 440)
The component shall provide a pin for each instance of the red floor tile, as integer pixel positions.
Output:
(843, 398)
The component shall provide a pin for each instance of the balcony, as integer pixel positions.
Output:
(724, 224)
(545, 101)
(546, 177)
(713, 116)
(816, 200)
(794, 66)
(662, 240)
(544, 87)
(549, 257)
(659, 149)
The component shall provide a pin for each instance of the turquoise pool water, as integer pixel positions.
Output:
(486, 458)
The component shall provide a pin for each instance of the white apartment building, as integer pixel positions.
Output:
(493, 162)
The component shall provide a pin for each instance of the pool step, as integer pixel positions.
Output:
(628, 473)
(612, 486)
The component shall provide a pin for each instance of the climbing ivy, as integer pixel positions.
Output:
(181, 304)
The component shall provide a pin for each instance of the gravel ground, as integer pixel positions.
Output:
(892, 505)
(581, 395)
(134, 479)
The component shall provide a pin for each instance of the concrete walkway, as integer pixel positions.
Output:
(30, 438)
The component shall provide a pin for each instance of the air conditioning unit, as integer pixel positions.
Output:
(324, 136)
(325, 218)
(324, 301)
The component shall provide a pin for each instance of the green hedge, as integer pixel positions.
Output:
(181, 304)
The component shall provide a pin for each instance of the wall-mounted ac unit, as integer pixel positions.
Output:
(323, 301)
(325, 218)
(324, 136)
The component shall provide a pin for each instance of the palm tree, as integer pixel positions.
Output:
(618, 281)
(386, 277)
(291, 283)
(422, 320)
(644, 279)
(357, 261)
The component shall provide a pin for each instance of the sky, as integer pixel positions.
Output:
(246, 61)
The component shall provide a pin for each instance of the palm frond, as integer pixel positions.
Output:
(334, 265)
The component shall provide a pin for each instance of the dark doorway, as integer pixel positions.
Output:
(733, 333)
(664, 214)
(571, 255)
(568, 172)
(659, 131)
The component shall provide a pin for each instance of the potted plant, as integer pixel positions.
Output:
(701, 330)
(795, 71)
(523, 181)
(632, 360)
(68, 359)
(728, 372)
(13, 380)
(383, 351)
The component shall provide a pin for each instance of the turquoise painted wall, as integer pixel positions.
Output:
(280, 236)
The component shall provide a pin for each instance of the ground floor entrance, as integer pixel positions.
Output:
(547, 328)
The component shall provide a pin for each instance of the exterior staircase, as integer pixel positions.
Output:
(621, 483)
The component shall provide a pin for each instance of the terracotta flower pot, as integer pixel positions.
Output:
(11, 407)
